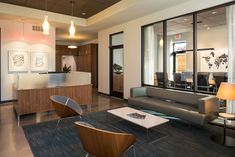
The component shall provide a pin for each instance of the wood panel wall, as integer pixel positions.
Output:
(38, 100)
(86, 57)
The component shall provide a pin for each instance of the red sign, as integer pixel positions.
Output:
(177, 36)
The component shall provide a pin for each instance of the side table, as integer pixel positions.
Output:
(226, 140)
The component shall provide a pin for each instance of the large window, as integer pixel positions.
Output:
(212, 55)
(188, 52)
(179, 52)
(153, 55)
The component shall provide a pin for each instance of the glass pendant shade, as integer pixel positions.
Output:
(45, 26)
(72, 30)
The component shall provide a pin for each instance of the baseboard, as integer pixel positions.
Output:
(7, 101)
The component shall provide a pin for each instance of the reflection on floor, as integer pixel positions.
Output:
(12, 139)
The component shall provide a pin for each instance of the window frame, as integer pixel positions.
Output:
(195, 49)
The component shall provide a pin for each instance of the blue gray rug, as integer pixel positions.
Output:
(173, 139)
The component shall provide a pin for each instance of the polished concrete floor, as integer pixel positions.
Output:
(12, 140)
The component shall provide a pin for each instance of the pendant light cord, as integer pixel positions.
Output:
(46, 5)
(72, 6)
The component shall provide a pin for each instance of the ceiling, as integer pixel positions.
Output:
(120, 12)
(82, 8)
(206, 20)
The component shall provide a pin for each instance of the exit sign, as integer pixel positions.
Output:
(177, 36)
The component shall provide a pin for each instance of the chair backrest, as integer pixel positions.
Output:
(219, 77)
(65, 107)
(101, 143)
(177, 78)
(186, 76)
(203, 79)
(160, 78)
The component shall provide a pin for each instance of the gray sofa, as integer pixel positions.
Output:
(192, 107)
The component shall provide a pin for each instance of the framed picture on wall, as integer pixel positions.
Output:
(39, 61)
(214, 60)
(18, 61)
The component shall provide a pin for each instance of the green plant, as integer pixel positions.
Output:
(66, 69)
(117, 68)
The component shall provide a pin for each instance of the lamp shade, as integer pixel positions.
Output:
(226, 91)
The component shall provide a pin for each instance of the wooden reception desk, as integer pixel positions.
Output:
(35, 99)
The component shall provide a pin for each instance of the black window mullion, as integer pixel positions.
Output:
(195, 51)
(165, 53)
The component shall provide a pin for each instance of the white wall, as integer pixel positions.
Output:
(132, 43)
(34, 41)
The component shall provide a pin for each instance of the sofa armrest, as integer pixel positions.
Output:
(138, 92)
(208, 104)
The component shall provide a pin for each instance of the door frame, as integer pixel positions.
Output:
(111, 49)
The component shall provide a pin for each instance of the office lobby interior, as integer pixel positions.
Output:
(117, 78)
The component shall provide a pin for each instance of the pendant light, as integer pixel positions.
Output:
(72, 27)
(46, 25)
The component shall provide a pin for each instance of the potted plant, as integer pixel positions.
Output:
(117, 68)
(66, 69)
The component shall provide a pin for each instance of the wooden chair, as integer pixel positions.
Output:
(101, 143)
(65, 107)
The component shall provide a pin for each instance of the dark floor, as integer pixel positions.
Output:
(12, 139)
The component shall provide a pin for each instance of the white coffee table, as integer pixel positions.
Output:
(148, 122)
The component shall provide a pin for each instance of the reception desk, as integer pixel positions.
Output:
(33, 91)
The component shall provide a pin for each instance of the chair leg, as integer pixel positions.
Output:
(87, 154)
(58, 122)
(133, 148)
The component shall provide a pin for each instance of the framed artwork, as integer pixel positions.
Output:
(18, 61)
(214, 60)
(39, 61)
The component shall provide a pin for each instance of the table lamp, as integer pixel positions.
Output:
(227, 92)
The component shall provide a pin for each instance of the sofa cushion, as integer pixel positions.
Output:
(178, 96)
(182, 111)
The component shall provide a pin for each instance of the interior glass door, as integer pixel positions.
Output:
(116, 65)
(117, 72)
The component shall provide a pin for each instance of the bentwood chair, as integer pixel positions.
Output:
(65, 107)
(102, 143)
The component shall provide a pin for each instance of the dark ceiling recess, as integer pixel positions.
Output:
(82, 8)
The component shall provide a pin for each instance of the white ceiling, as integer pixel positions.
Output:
(122, 11)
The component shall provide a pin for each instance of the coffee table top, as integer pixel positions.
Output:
(147, 122)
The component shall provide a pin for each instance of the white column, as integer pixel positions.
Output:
(231, 51)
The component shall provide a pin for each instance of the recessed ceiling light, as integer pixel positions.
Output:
(83, 13)
(205, 25)
(185, 19)
(208, 28)
(213, 12)
(72, 47)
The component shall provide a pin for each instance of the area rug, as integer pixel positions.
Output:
(173, 139)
